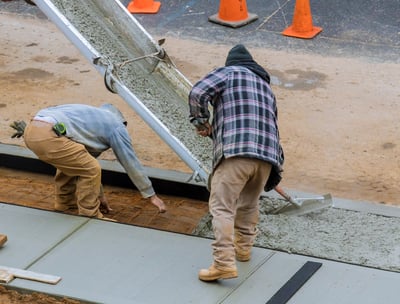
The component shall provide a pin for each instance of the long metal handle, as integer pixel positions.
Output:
(286, 196)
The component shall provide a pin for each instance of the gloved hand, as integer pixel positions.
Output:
(203, 129)
(275, 176)
(19, 126)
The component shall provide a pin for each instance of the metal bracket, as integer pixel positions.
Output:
(160, 55)
(196, 176)
(110, 74)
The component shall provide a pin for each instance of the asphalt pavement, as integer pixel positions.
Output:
(367, 28)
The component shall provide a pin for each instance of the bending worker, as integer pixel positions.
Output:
(70, 137)
(246, 150)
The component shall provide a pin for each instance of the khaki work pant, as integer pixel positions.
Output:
(236, 186)
(78, 177)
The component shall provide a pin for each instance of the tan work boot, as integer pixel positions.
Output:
(212, 273)
(243, 255)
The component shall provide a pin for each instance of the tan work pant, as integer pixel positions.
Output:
(236, 186)
(78, 177)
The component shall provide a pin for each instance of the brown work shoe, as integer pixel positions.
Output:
(212, 273)
(243, 255)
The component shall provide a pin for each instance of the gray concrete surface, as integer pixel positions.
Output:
(105, 262)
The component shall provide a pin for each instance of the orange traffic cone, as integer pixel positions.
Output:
(144, 7)
(233, 13)
(302, 26)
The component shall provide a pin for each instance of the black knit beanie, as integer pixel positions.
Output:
(238, 54)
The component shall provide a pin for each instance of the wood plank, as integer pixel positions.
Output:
(31, 275)
(3, 239)
(5, 276)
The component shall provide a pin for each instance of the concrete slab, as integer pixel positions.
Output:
(332, 283)
(347, 284)
(32, 233)
(114, 263)
(106, 262)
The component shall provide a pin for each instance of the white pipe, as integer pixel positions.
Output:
(100, 63)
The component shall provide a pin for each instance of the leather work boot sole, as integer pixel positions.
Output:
(212, 274)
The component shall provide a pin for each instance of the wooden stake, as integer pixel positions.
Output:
(5, 276)
(3, 239)
(30, 275)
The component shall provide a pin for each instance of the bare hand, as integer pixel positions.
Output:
(156, 201)
(104, 204)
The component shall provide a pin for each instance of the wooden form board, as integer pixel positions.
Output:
(5, 276)
(3, 239)
(8, 273)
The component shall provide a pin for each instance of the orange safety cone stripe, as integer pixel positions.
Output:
(302, 25)
(230, 12)
(144, 7)
(233, 13)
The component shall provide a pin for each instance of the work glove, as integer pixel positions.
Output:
(275, 176)
(19, 126)
(274, 179)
